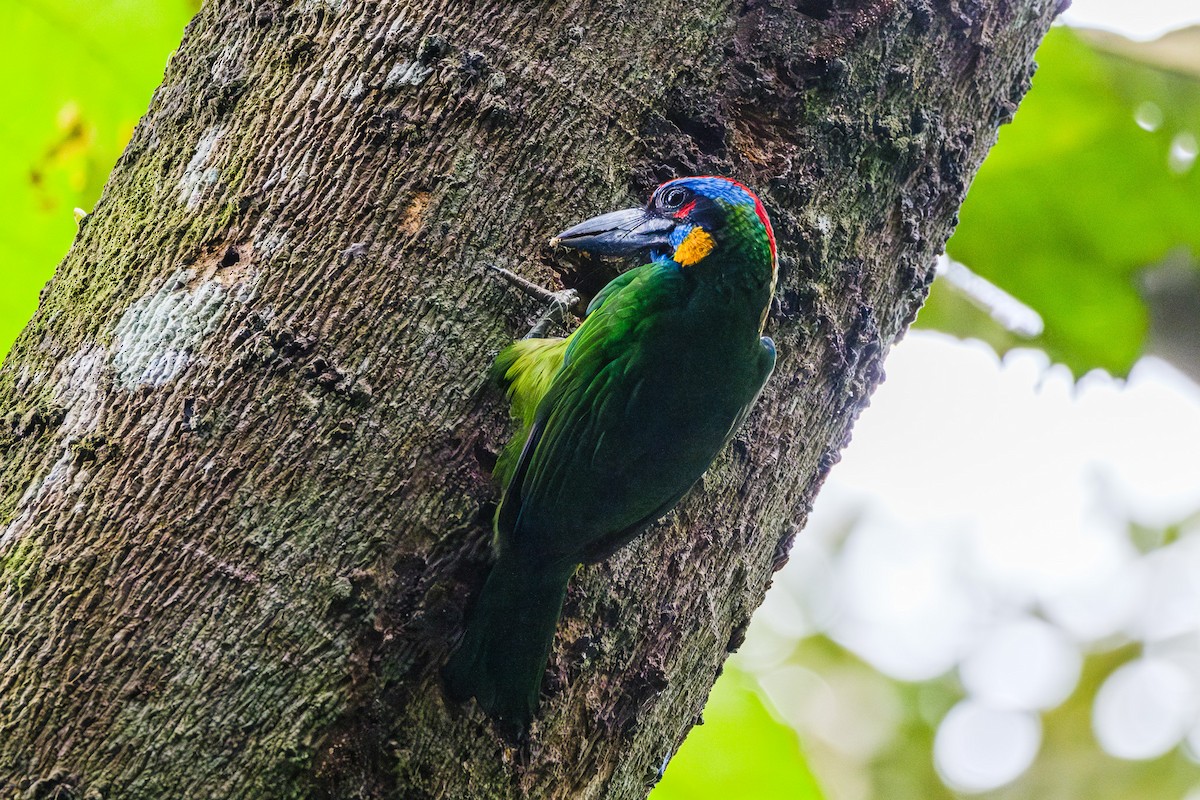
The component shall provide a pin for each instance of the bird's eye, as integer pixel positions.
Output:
(674, 198)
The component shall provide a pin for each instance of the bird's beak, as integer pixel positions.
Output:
(618, 233)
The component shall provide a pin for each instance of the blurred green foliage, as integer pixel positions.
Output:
(78, 75)
(1089, 186)
(740, 752)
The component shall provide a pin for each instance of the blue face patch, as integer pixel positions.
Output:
(675, 239)
(679, 234)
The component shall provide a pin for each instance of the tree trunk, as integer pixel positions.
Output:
(247, 437)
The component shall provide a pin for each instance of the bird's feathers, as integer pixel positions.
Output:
(619, 419)
(525, 369)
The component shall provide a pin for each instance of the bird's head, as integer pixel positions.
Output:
(686, 220)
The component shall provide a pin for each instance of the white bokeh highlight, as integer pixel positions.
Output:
(978, 748)
(1144, 709)
(1025, 665)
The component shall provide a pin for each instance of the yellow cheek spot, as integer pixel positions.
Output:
(695, 246)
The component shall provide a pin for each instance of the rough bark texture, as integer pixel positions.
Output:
(246, 439)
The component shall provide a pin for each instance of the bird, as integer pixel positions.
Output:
(618, 420)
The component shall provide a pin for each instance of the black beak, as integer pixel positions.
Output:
(618, 233)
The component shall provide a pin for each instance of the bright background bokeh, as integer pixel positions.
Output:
(998, 593)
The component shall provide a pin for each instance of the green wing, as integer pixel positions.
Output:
(526, 370)
(587, 401)
(614, 287)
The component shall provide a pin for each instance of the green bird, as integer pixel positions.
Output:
(619, 419)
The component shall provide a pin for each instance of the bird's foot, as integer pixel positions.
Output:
(558, 304)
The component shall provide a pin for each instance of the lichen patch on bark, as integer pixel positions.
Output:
(198, 176)
(80, 391)
(406, 73)
(158, 334)
(79, 398)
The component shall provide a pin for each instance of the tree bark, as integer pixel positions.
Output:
(245, 492)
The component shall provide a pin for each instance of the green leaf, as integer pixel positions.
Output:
(80, 75)
(1082, 193)
(742, 751)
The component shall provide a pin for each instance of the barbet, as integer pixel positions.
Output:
(619, 419)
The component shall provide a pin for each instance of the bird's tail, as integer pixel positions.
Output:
(503, 653)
